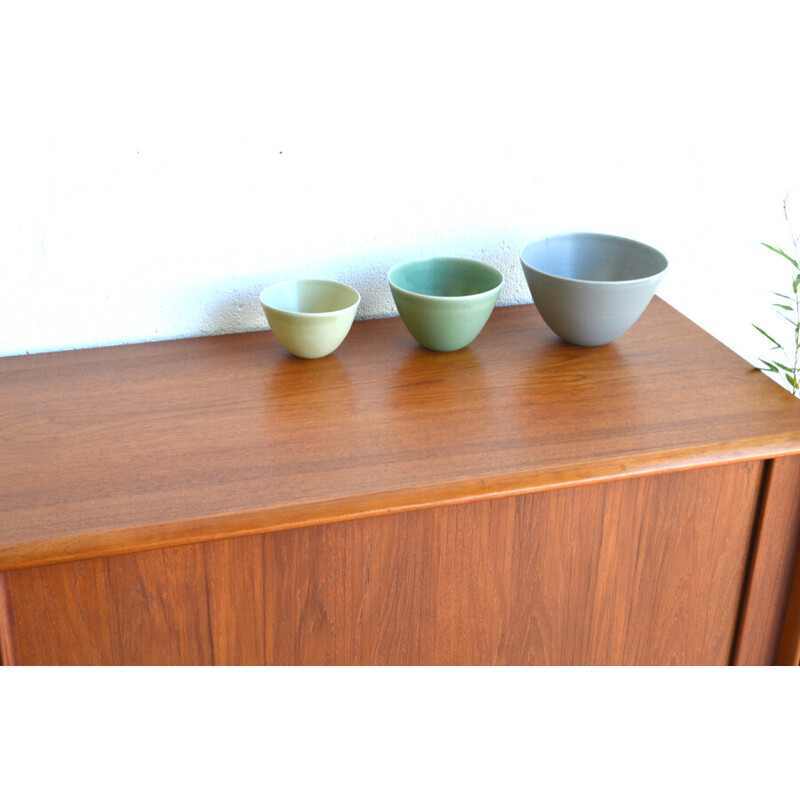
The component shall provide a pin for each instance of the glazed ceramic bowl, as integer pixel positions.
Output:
(591, 287)
(310, 318)
(445, 302)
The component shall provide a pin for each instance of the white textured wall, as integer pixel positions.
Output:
(161, 163)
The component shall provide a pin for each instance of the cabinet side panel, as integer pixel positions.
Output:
(8, 627)
(769, 583)
(789, 651)
(641, 571)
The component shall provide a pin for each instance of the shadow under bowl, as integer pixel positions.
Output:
(591, 287)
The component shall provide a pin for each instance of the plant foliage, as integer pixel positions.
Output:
(788, 309)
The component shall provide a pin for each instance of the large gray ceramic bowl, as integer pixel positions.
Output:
(445, 302)
(591, 287)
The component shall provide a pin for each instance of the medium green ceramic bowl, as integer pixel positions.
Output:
(310, 318)
(445, 302)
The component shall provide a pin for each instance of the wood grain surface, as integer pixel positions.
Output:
(115, 450)
(8, 625)
(789, 650)
(641, 571)
(772, 568)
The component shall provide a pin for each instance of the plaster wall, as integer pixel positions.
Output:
(160, 164)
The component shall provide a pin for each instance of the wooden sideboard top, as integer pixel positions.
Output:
(118, 449)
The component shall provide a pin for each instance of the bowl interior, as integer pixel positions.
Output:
(594, 257)
(445, 277)
(310, 297)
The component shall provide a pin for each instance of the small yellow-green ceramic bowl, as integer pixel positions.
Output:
(310, 318)
(445, 302)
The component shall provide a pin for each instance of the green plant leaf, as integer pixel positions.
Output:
(788, 308)
(781, 253)
(764, 333)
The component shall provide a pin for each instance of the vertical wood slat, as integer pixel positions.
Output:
(789, 650)
(640, 571)
(772, 566)
(8, 628)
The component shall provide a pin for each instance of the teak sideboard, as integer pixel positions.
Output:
(521, 501)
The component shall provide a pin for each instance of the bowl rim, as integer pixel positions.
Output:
(308, 281)
(444, 297)
(588, 281)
